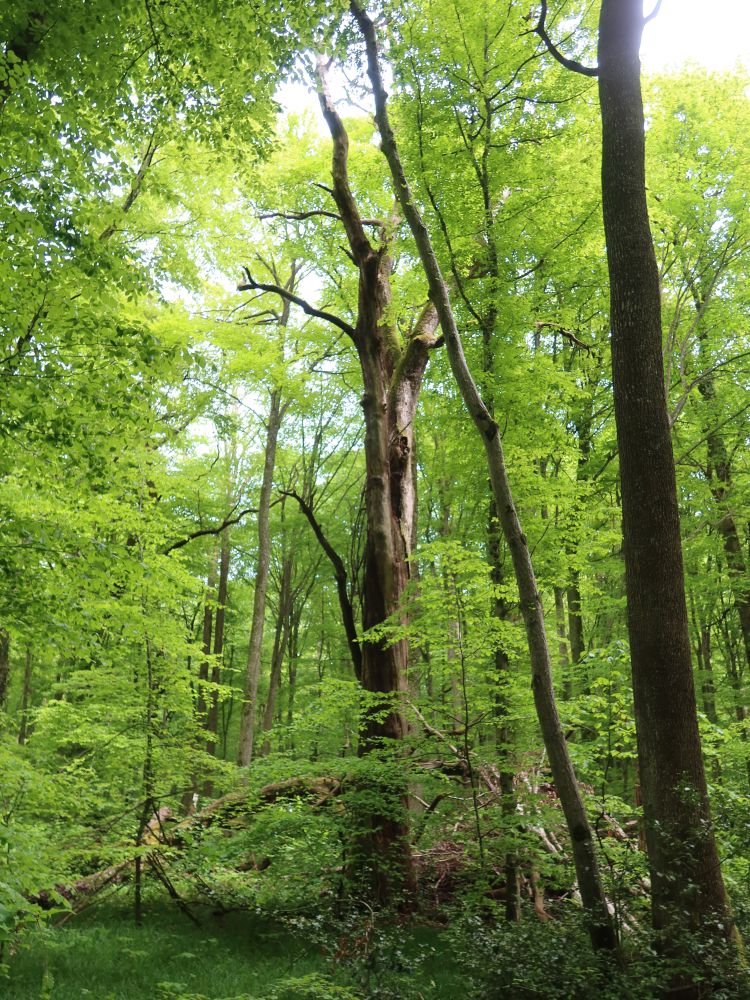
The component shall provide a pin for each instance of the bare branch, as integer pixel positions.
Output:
(135, 188)
(568, 334)
(252, 285)
(342, 194)
(347, 611)
(301, 216)
(653, 13)
(216, 530)
(571, 64)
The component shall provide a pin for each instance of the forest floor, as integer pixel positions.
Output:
(102, 955)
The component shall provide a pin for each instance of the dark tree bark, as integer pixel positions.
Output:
(348, 619)
(687, 887)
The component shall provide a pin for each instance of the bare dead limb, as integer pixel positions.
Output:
(571, 64)
(251, 285)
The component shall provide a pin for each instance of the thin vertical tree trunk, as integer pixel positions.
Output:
(719, 471)
(562, 642)
(575, 618)
(687, 887)
(702, 632)
(208, 620)
(582, 843)
(212, 720)
(499, 608)
(255, 648)
(227, 710)
(291, 678)
(573, 594)
(23, 730)
(734, 675)
(147, 786)
(280, 644)
(4, 666)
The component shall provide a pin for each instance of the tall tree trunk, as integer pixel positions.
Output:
(392, 370)
(292, 676)
(589, 880)
(687, 887)
(575, 617)
(576, 641)
(255, 648)
(499, 608)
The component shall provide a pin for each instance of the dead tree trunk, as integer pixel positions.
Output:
(392, 368)
(392, 375)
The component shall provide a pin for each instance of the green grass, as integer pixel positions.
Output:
(101, 955)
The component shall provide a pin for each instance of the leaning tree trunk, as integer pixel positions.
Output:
(687, 887)
(584, 854)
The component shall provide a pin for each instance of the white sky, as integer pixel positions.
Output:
(714, 33)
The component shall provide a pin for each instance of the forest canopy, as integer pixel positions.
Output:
(374, 503)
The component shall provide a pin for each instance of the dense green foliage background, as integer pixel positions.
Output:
(145, 161)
